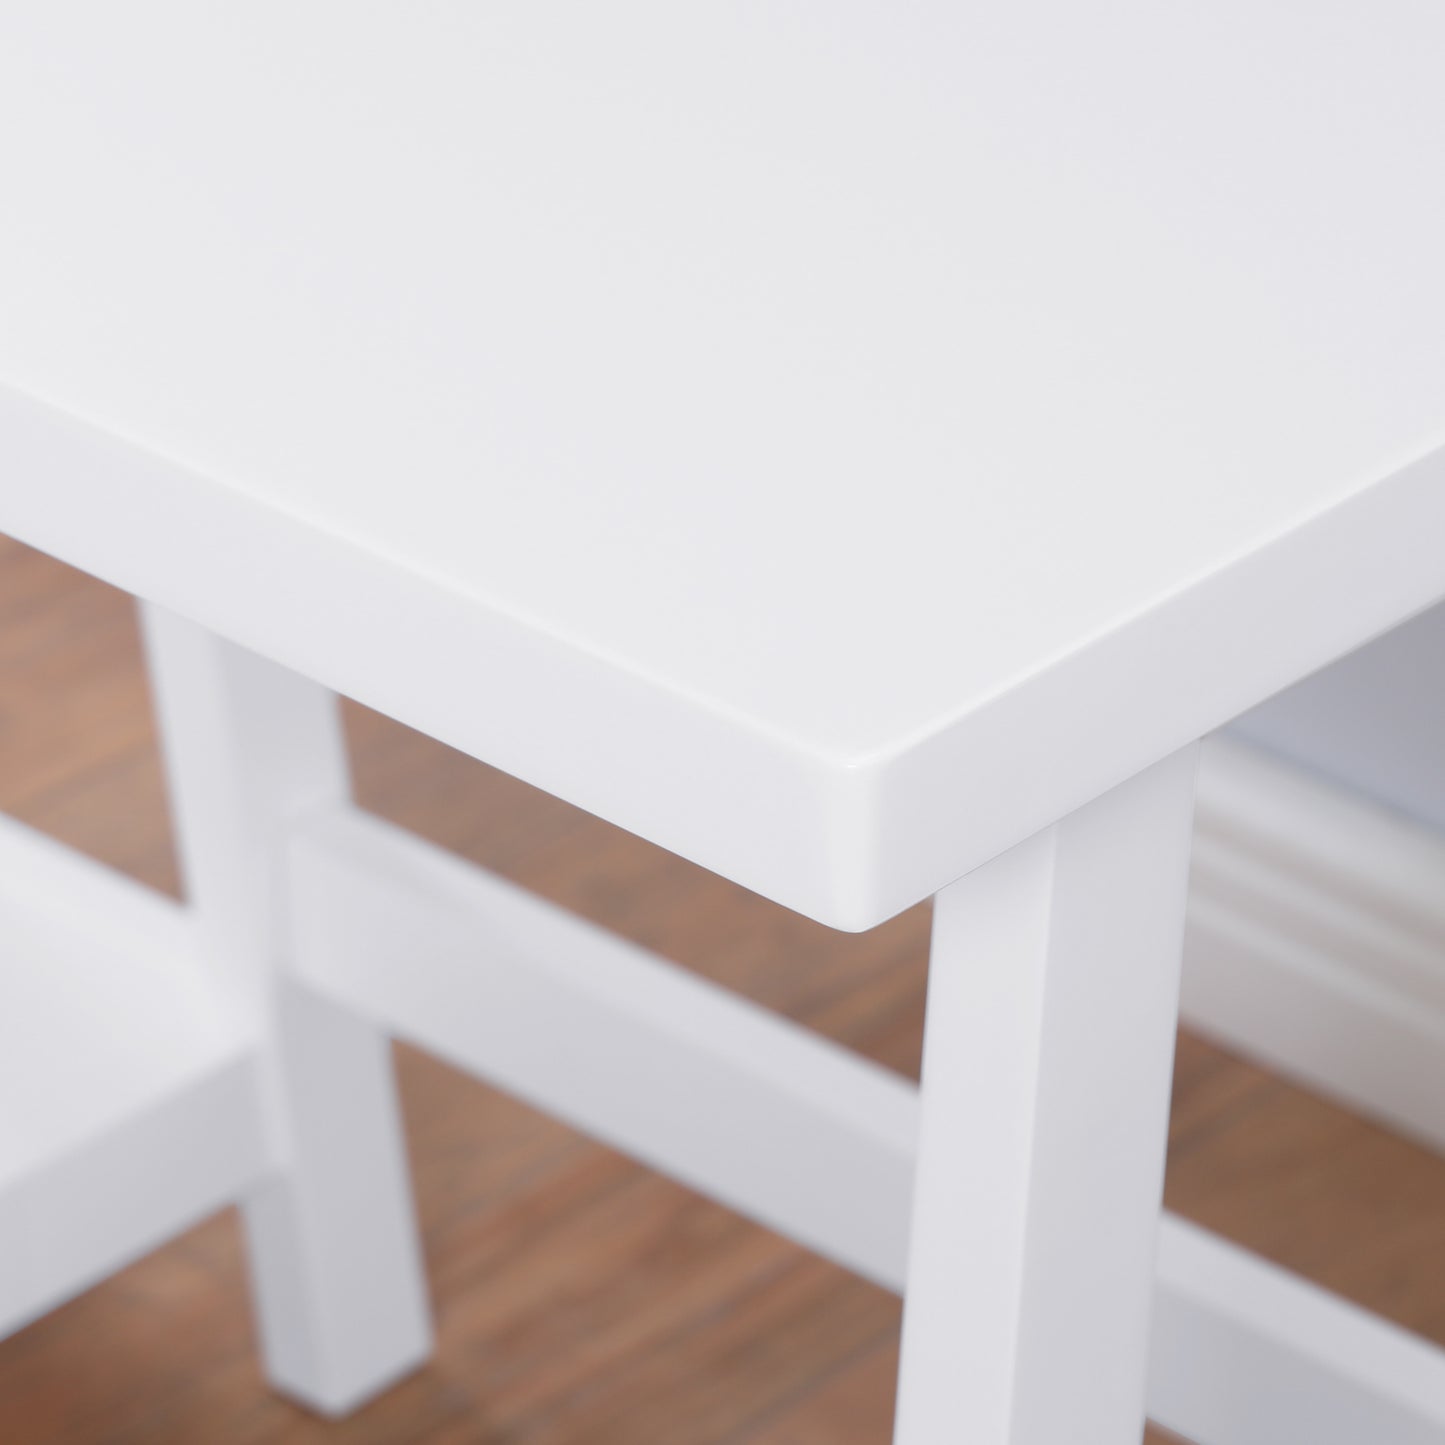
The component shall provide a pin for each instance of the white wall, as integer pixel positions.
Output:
(1375, 721)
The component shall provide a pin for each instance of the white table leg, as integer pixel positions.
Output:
(1051, 1013)
(250, 748)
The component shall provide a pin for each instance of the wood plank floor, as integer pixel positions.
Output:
(581, 1299)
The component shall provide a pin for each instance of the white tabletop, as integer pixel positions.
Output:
(830, 439)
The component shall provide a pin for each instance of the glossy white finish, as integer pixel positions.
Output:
(1316, 939)
(251, 750)
(129, 1106)
(841, 409)
(748, 1108)
(1052, 1000)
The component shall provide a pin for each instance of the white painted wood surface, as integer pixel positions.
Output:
(836, 444)
(478, 972)
(846, 413)
(250, 751)
(752, 1110)
(129, 1106)
(393, 928)
(1049, 1039)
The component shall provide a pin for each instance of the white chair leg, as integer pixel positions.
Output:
(1052, 1002)
(340, 1292)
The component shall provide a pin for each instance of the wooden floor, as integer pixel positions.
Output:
(581, 1298)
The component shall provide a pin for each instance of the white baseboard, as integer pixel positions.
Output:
(1316, 940)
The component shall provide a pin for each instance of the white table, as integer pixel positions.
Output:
(861, 448)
